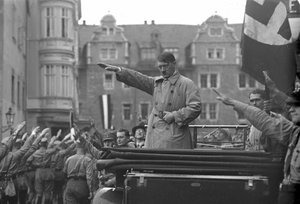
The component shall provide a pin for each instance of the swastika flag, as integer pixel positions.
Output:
(267, 43)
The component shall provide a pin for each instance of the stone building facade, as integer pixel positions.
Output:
(209, 54)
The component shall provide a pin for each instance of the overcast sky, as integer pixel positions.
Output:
(190, 12)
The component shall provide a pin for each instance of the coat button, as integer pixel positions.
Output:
(169, 104)
(153, 127)
(172, 91)
(156, 103)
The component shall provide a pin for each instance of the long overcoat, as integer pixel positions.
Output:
(181, 97)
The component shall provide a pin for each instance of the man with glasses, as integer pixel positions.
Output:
(176, 102)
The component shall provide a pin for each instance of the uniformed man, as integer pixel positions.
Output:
(57, 164)
(6, 143)
(9, 165)
(21, 179)
(44, 175)
(78, 169)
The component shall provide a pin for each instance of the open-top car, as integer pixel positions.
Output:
(209, 174)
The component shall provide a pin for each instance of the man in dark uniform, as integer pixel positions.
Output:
(78, 169)
(44, 175)
(57, 164)
(9, 166)
(21, 180)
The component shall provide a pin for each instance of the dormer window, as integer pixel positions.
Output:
(111, 31)
(215, 32)
(104, 30)
(148, 54)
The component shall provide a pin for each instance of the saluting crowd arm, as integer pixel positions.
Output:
(276, 95)
(4, 149)
(136, 79)
(22, 151)
(91, 148)
(277, 128)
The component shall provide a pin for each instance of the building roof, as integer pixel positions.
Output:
(144, 35)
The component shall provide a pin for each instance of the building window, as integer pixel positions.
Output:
(108, 81)
(148, 54)
(215, 32)
(215, 53)
(210, 53)
(174, 51)
(13, 88)
(203, 80)
(219, 53)
(144, 110)
(126, 111)
(213, 80)
(18, 94)
(66, 82)
(209, 111)
(203, 111)
(112, 53)
(49, 22)
(57, 80)
(65, 22)
(57, 22)
(208, 80)
(49, 80)
(212, 111)
(242, 81)
(108, 54)
(245, 81)
(111, 31)
(104, 30)
(104, 54)
(14, 25)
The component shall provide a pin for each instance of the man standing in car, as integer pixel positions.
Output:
(176, 102)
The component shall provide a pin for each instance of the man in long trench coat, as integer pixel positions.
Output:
(176, 102)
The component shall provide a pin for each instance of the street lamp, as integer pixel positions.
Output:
(10, 117)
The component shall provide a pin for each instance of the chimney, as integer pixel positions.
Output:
(83, 22)
(153, 22)
(145, 22)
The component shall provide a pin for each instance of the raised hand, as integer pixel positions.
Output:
(66, 137)
(109, 67)
(45, 131)
(35, 130)
(19, 128)
(225, 99)
(269, 82)
(58, 133)
(24, 137)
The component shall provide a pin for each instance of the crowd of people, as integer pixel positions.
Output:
(38, 167)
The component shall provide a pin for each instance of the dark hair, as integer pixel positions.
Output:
(294, 98)
(166, 57)
(126, 132)
(261, 92)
